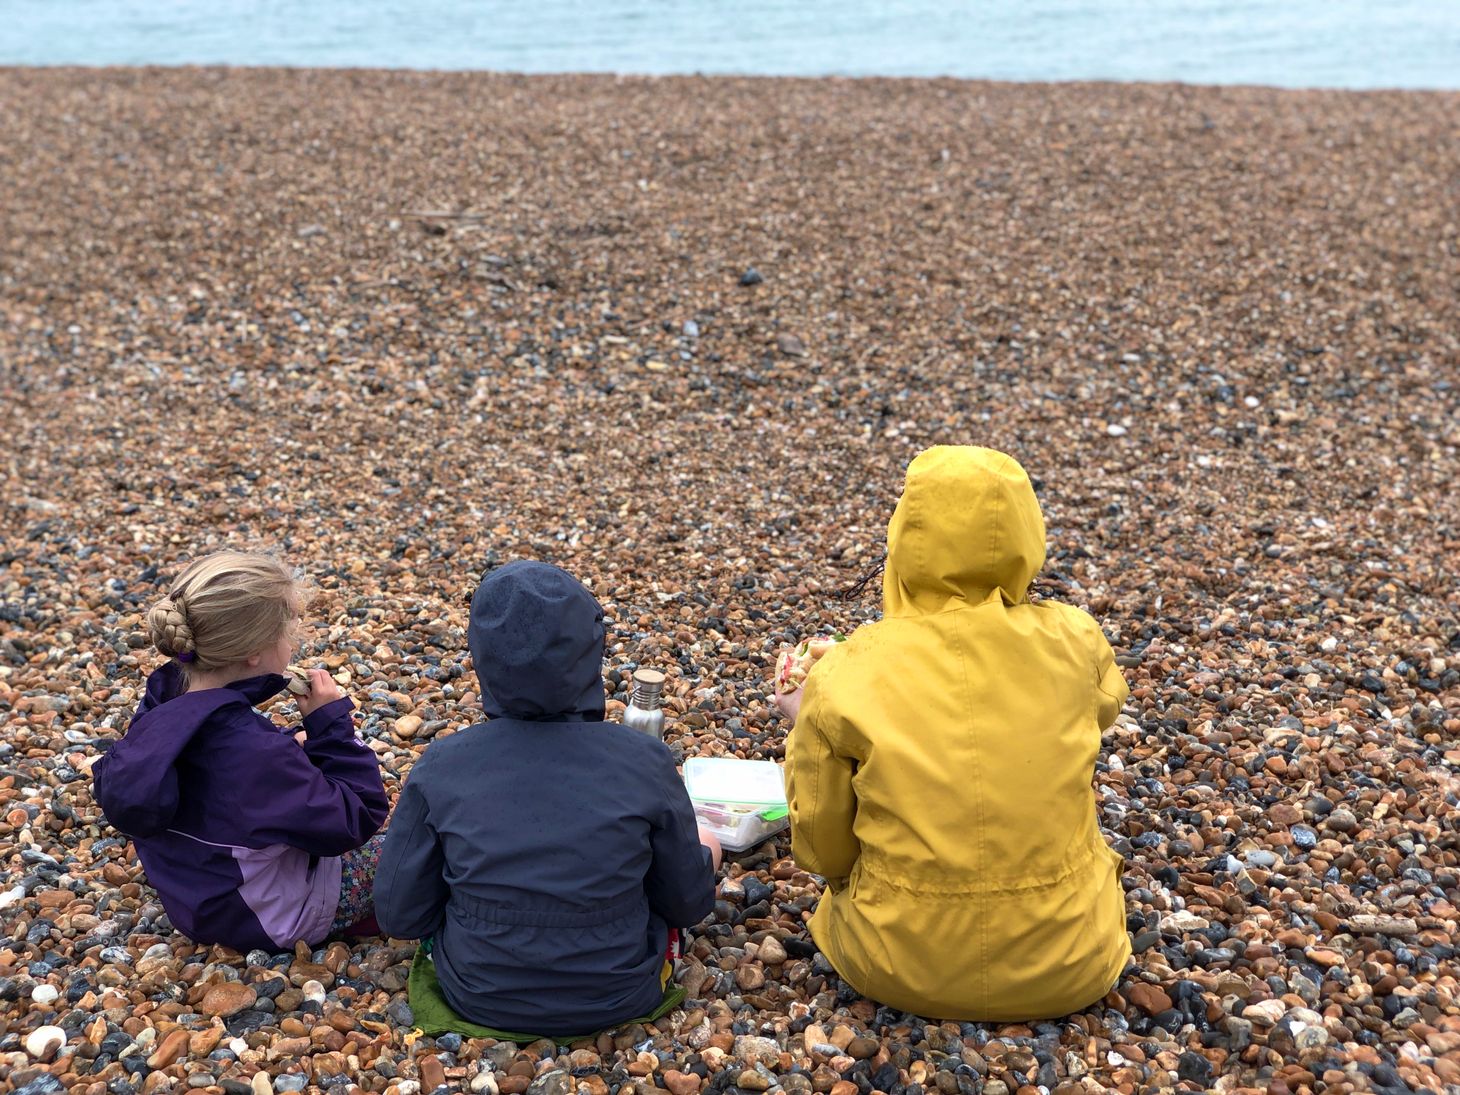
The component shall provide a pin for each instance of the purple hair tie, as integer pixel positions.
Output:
(185, 658)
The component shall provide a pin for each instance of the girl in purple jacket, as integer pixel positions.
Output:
(252, 836)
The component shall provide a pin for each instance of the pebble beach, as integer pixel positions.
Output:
(681, 336)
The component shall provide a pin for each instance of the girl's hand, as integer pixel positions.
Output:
(322, 690)
(789, 704)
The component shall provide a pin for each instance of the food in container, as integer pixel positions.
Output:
(742, 802)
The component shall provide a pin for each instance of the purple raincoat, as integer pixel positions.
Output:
(238, 827)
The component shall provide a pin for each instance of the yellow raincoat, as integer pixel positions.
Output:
(939, 773)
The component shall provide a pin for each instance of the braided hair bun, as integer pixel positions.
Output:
(223, 609)
(167, 621)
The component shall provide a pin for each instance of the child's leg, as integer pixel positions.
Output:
(356, 912)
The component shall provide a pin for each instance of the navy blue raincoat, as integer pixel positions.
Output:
(548, 851)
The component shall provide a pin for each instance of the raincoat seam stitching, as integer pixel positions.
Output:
(995, 527)
(215, 844)
(1076, 858)
(815, 727)
(979, 813)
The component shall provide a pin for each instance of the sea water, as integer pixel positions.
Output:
(1294, 43)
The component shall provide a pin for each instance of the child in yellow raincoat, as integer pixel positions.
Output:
(939, 770)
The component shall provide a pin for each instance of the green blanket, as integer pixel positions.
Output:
(434, 1015)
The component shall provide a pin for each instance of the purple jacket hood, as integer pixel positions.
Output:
(145, 800)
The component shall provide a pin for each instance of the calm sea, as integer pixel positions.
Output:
(1294, 43)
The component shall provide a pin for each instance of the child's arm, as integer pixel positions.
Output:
(138, 793)
(789, 705)
(328, 801)
(819, 793)
(681, 878)
(410, 881)
(1111, 691)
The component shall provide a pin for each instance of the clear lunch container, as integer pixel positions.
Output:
(741, 801)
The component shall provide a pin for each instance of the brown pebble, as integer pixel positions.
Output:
(227, 998)
(433, 1072)
(173, 1046)
(681, 1083)
(1283, 813)
(285, 1048)
(750, 977)
(1149, 998)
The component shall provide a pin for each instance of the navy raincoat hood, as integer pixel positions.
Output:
(537, 641)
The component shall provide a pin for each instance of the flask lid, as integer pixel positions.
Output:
(650, 679)
(648, 689)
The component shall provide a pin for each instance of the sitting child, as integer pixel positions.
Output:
(939, 770)
(251, 836)
(551, 854)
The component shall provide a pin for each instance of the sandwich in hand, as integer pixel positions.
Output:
(795, 662)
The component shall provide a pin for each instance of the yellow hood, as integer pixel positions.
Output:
(967, 525)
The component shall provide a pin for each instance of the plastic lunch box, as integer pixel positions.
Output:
(741, 801)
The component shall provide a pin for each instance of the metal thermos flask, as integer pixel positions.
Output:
(645, 710)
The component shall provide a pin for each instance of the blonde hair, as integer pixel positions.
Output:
(223, 608)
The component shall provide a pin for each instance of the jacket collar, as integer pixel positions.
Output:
(166, 684)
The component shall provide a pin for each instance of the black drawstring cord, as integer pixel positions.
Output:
(857, 588)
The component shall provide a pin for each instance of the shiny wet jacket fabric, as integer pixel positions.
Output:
(548, 851)
(939, 774)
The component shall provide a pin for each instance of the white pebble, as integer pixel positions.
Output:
(40, 1042)
(1115, 429)
(1183, 921)
(45, 994)
(313, 990)
(1267, 1012)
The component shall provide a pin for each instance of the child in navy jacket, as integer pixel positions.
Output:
(549, 853)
